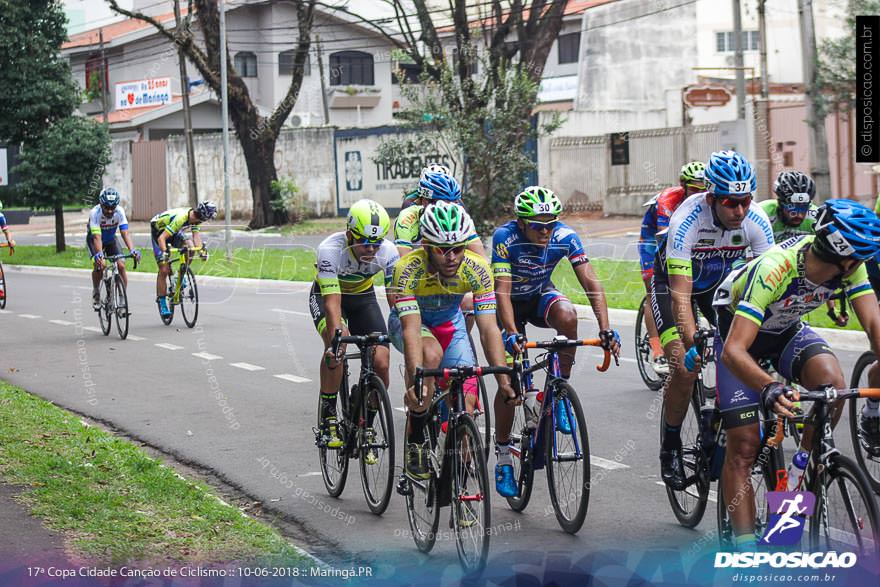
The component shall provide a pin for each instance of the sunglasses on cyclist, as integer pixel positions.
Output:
(696, 186)
(367, 242)
(734, 202)
(444, 251)
(796, 208)
(108, 208)
(543, 226)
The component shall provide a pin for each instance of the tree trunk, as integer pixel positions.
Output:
(59, 228)
(259, 156)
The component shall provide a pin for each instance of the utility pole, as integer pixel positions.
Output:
(224, 99)
(815, 120)
(104, 75)
(323, 82)
(187, 117)
(738, 62)
(765, 162)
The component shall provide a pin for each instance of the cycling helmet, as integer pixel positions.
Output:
(109, 197)
(695, 171)
(445, 223)
(368, 219)
(536, 200)
(846, 229)
(434, 168)
(409, 199)
(206, 210)
(794, 187)
(435, 185)
(730, 174)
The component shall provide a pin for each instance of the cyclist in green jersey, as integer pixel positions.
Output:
(792, 213)
(760, 307)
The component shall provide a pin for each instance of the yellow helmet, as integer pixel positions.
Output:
(368, 219)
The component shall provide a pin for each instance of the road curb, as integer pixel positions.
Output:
(848, 340)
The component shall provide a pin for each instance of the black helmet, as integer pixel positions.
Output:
(794, 187)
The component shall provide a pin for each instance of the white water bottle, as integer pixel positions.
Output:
(532, 407)
(796, 468)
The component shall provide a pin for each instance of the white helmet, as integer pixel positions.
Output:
(435, 168)
(445, 223)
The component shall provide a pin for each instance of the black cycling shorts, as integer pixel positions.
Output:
(360, 312)
(110, 249)
(661, 308)
(874, 275)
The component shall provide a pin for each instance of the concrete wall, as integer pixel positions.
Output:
(305, 155)
(118, 172)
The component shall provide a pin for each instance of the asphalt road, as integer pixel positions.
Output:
(237, 396)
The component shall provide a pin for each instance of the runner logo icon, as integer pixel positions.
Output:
(789, 510)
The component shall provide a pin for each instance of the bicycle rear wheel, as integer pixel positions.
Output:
(121, 308)
(568, 462)
(644, 354)
(105, 313)
(846, 517)
(169, 290)
(189, 299)
(2, 287)
(521, 454)
(471, 508)
(869, 464)
(689, 504)
(377, 476)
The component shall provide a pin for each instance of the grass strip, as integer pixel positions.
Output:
(115, 503)
(622, 279)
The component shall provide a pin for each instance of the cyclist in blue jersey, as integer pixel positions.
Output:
(707, 234)
(9, 240)
(524, 254)
(104, 220)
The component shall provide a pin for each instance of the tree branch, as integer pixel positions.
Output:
(305, 12)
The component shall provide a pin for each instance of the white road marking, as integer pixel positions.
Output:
(606, 463)
(6, 312)
(61, 322)
(247, 366)
(29, 316)
(400, 409)
(293, 378)
(311, 474)
(133, 337)
(306, 314)
(169, 346)
(207, 356)
(77, 287)
(93, 329)
(713, 495)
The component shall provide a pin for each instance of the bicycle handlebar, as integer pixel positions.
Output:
(831, 394)
(563, 343)
(462, 372)
(114, 258)
(366, 340)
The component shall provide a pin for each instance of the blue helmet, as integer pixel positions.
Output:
(109, 197)
(847, 229)
(730, 174)
(435, 185)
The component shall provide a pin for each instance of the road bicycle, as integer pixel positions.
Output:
(457, 472)
(113, 299)
(483, 410)
(3, 278)
(181, 287)
(365, 426)
(868, 463)
(538, 439)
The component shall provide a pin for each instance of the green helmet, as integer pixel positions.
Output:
(695, 171)
(445, 223)
(368, 219)
(535, 200)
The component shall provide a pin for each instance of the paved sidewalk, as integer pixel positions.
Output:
(23, 538)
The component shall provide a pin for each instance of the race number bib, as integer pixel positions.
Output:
(542, 208)
(739, 187)
(841, 247)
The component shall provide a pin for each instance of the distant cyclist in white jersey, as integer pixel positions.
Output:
(104, 220)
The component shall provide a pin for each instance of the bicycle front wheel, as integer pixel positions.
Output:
(644, 354)
(189, 299)
(422, 499)
(869, 464)
(334, 461)
(483, 416)
(568, 460)
(689, 504)
(376, 446)
(846, 515)
(169, 290)
(2, 287)
(521, 454)
(105, 313)
(121, 308)
(471, 508)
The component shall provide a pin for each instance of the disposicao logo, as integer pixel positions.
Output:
(789, 511)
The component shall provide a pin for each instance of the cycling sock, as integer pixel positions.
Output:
(502, 451)
(416, 428)
(656, 347)
(328, 405)
(671, 436)
(746, 542)
(872, 408)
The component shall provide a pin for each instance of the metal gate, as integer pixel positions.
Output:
(148, 188)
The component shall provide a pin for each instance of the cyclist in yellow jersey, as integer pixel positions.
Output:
(427, 324)
(168, 229)
(343, 297)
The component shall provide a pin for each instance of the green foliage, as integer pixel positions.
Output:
(94, 88)
(483, 125)
(65, 165)
(836, 60)
(37, 86)
(287, 199)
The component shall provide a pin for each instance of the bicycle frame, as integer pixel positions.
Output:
(185, 259)
(366, 352)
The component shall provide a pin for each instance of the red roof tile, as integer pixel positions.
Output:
(114, 30)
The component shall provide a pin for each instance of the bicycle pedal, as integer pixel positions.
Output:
(404, 487)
